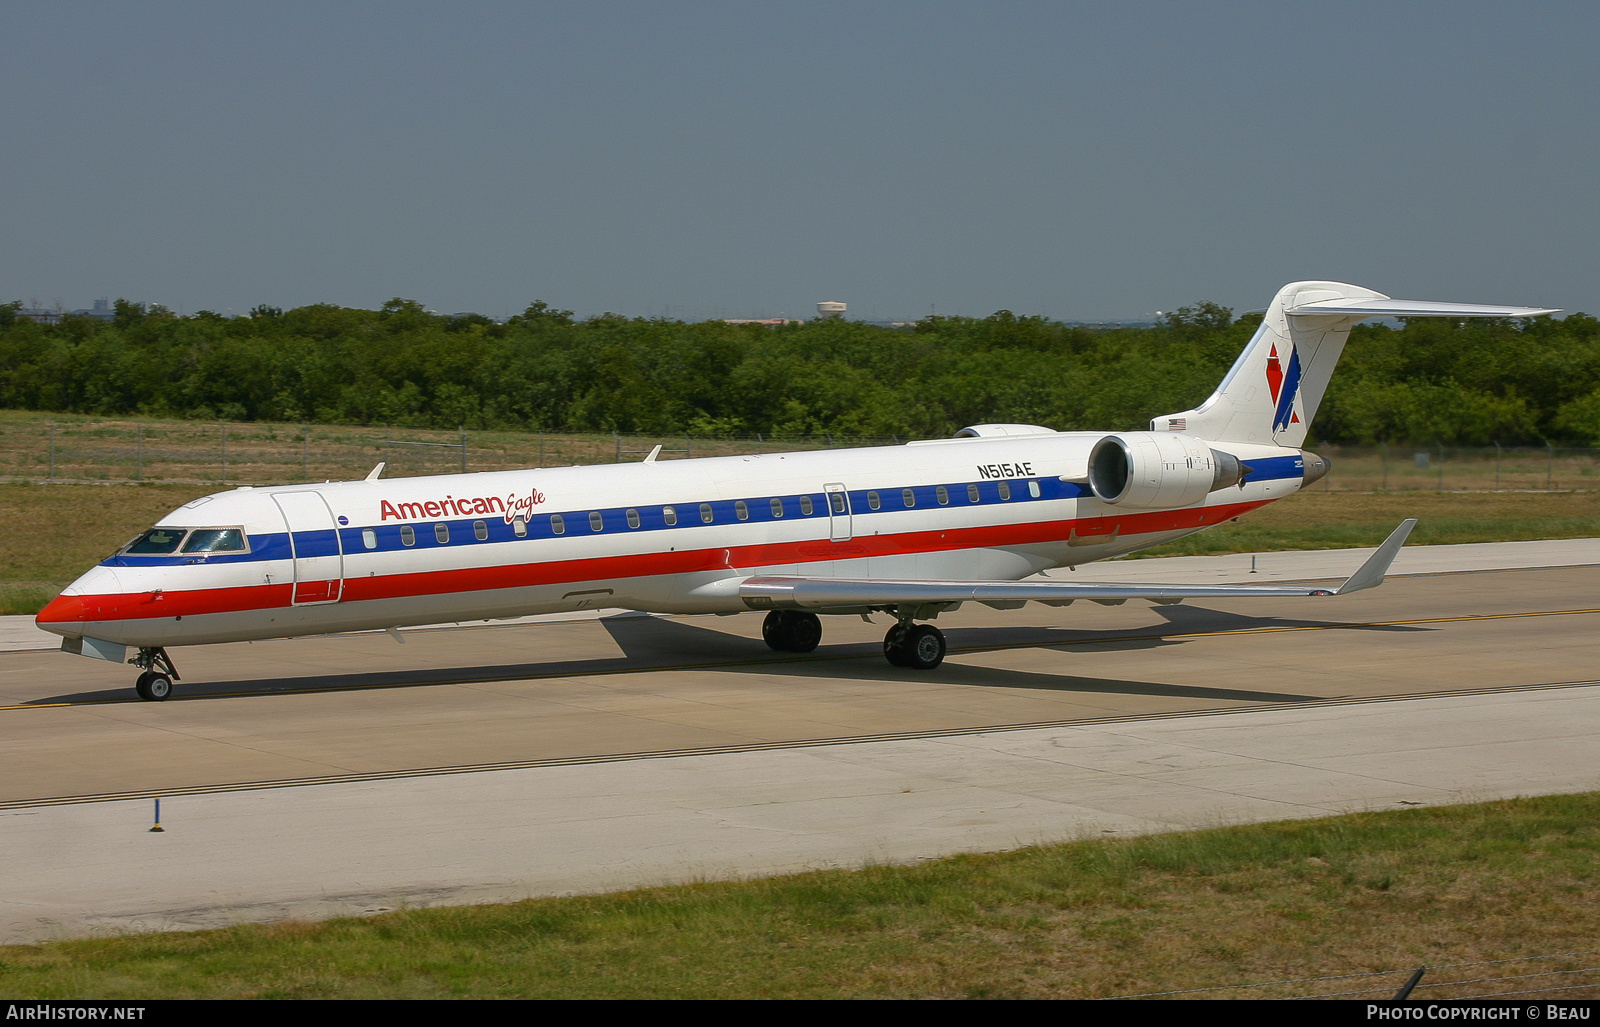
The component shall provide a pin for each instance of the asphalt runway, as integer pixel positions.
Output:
(347, 775)
(362, 706)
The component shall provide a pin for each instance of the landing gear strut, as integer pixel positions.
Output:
(919, 646)
(790, 632)
(155, 684)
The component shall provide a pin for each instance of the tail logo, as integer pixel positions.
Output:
(1283, 387)
(1274, 373)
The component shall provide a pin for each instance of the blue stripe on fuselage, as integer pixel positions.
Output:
(275, 546)
(1275, 467)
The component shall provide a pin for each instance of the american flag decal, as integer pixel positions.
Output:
(1177, 424)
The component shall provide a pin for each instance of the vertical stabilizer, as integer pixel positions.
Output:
(1273, 390)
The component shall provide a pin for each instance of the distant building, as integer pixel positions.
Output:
(770, 322)
(102, 310)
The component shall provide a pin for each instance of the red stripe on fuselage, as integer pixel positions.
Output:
(145, 605)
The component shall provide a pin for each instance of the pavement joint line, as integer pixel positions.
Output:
(805, 658)
(764, 746)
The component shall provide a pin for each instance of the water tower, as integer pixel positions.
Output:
(830, 308)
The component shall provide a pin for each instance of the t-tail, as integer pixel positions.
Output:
(1273, 390)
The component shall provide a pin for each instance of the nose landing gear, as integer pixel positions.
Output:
(155, 684)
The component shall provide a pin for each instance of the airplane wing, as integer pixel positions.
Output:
(767, 593)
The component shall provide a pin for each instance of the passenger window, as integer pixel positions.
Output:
(369, 538)
(441, 532)
(596, 522)
(972, 493)
(741, 511)
(669, 515)
(777, 508)
(872, 501)
(633, 518)
(943, 495)
(215, 540)
(480, 531)
(156, 542)
(408, 535)
(908, 497)
(520, 526)
(1005, 490)
(1033, 489)
(805, 505)
(558, 524)
(837, 499)
(705, 513)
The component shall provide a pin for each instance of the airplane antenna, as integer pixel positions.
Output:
(377, 471)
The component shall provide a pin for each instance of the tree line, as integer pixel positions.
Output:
(1427, 380)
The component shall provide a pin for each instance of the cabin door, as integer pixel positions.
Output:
(838, 512)
(314, 542)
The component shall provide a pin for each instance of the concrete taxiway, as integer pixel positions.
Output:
(489, 763)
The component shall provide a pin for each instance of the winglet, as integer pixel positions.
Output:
(1370, 574)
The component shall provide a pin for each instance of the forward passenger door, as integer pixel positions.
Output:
(316, 547)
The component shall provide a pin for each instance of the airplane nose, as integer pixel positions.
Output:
(60, 612)
(80, 601)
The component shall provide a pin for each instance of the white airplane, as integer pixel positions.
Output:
(912, 531)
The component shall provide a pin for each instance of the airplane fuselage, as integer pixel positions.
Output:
(666, 537)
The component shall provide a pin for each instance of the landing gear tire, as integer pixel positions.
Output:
(153, 686)
(773, 631)
(787, 631)
(919, 646)
(894, 646)
(805, 633)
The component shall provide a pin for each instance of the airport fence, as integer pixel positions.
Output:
(36, 447)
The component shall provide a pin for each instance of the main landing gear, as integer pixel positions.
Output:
(918, 646)
(790, 632)
(155, 684)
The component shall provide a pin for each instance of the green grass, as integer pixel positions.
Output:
(1352, 894)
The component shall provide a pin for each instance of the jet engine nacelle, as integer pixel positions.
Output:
(1159, 469)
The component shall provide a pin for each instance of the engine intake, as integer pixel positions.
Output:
(1159, 469)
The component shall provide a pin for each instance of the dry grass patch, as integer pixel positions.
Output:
(1339, 520)
(56, 532)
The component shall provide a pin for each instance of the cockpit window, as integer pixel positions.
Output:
(156, 542)
(215, 540)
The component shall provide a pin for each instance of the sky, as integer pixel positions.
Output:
(1084, 161)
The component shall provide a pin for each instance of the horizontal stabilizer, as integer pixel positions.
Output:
(1415, 308)
(786, 593)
